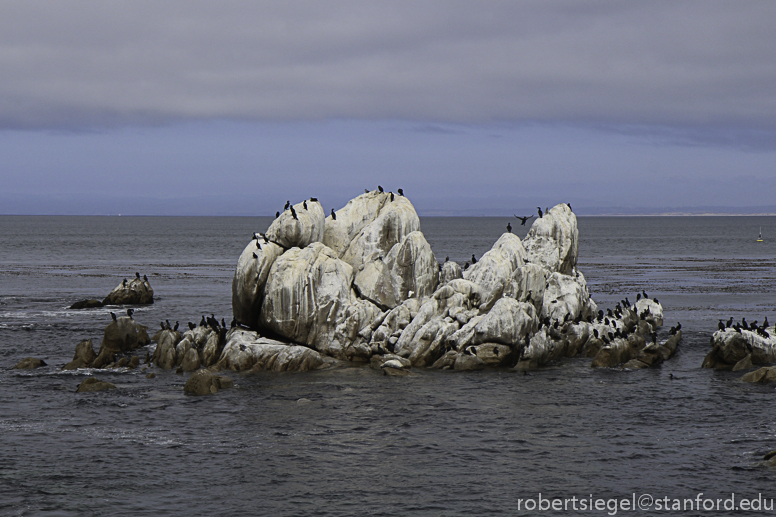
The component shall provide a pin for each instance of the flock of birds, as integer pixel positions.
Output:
(137, 276)
(743, 325)
(289, 206)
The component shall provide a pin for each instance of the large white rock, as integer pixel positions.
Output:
(246, 350)
(729, 347)
(306, 228)
(309, 299)
(409, 270)
(493, 272)
(369, 226)
(450, 271)
(654, 311)
(553, 239)
(249, 280)
(527, 284)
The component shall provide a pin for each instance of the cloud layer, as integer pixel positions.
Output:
(703, 67)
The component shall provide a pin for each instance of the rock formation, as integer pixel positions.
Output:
(136, 291)
(735, 345)
(364, 285)
(29, 363)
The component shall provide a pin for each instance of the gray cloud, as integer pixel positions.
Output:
(695, 68)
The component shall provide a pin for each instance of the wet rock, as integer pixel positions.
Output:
(191, 361)
(94, 384)
(761, 376)
(29, 363)
(744, 364)
(132, 292)
(449, 271)
(87, 304)
(124, 335)
(165, 354)
(466, 362)
(205, 382)
(730, 347)
(250, 278)
(619, 351)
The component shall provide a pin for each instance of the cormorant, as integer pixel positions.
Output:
(223, 322)
(113, 315)
(145, 278)
(509, 228)
(729, 322)
(540, 211)
(333, 215)
(595, 332)
(466, 266)
(655, 300)
(288, 204)
(137, 275)
(233, 323)
(293, 213)
(447, 258)
(569, 205)
(400, 191)
(638, 296)
(314, 199)
(175, 328)
(304, 204)
(546, 210)
(124, 283)
(192, 326)
(391, 196)
(366, 191)
(524, 219)
(257, 244)
(277, 214)
(474, 259)
(765, 323)
(721, 325)
(169, 327)
(202, 322)
(129, 313)
(380, 188)
(644, 294)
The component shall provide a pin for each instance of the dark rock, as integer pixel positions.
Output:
(134, 362)
(87, 304)
(124, 335)
(29, 363)
(94, 384)
(204, 382)
(84, 356)
(150, 375)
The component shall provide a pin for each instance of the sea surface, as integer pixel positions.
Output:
(354, 442)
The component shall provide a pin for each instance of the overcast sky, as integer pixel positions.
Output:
(474, 108)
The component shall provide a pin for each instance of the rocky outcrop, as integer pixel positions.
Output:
(731, 346)
(124, 335)
(29, 363)
(84, 356)
(137, 291)
(363, 283)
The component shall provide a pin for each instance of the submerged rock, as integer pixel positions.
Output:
(205, 382)
(84, 356)
(29, 363)
(94, 384)
(87, 304)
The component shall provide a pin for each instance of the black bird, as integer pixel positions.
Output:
(655, 300)
(113, 316)
(540, 211)
(400, 191)
(233, 323)
(495, 351)
(765, 323)
(304, 204)
(523, 219)
(447, 259)
(569, 205)
(366, 191)
(124, 283)
(202, 322)
(627, 302)
(595, 332)
(293, 213)
(161, 324)
(169, 327)
(466, 266)
(333, 215)
(638, 296)
(546, 210)
(474, 259)
(672, 331)
(137, 275)
(314, 199)
(391, 196)
(721, 325)
(380, 188)
(129, 313)
(192, 326)
(678, 326)
(145, 278)
(288, 203)
(277, 214)
(729, 322)
(509, 228)
(644, 294)
(223, 322)
(744, 324)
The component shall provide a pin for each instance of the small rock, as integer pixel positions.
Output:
(87, 304)
(204, 382)
(94, 384)
(150, 375)
(29, 363)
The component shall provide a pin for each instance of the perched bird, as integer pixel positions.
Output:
(391, 196)
(678, 326)
(293, 213)
(175, 328)
(366, 191)
(380, 188)
(145, 278)
(202, 322)
(730, 322)
(524, 219)
(466, 266)
(569, 205)
(721, 325)
(474, 259)
(257, 244)
(765, 323)
(540, 211)
(192, 326)
(644, 294)
(400, 191)
(233, 323)
(333, 215)
(314, 199)
(223, 322)
(137, 275)
(277, 214)
(638, 296)
(130, 312)
(447, 259)
(124, 283)
(113, 316)
(169, 327)
(509, 228)
(304, 204)
(288, 204)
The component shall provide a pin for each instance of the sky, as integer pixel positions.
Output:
(473, 108)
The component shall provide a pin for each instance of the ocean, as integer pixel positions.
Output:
(351, 441)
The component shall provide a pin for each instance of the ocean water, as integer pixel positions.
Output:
(351, 441)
